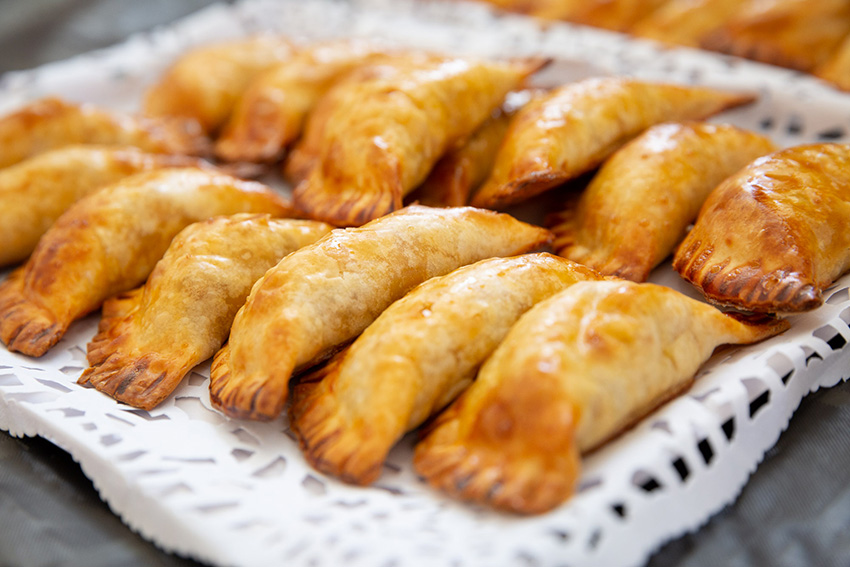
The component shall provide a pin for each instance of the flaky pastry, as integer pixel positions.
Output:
(109, 242)
(575, 370)
(686, 22)
(151, 337)
(270, 113)
(36, 191)
(639, 205)
(415, 358)
(205, 83)
(385, 135)
(574, 128)
(50, 123)
(836, 69)
(322, 296)
(773, 236)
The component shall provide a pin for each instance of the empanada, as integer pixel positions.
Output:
(836, 69)
(415, 358)
(463, 169)
(109, 242)
(51, 123)
(639, 205)
(322, 296)
(306, 152)
(575, 370)
(150, 337)
(385, 135)
(771, 237)
(575, 127)
(686, 22)
(617, 15)
(270, 114)
(799, 34)
(205, 83)
(36, 191)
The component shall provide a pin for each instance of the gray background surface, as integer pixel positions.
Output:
(795, 511)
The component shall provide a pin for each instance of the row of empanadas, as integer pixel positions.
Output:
(415, 358)
(322, 296)
(799, 34)
(108, 242)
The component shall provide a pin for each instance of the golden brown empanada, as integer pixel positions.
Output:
(771, 237)
(574, 128)
(799, 34)
(575, 370)
(36, 191)
(836, 69)
(150, 337)
(322, 296)
(109, 242)
(385, 135)
(51, 123)
(639, 205)
(307, 151)
(205, 83)
(464, 168)
(415, 358)
(686, 22)
(270, 113)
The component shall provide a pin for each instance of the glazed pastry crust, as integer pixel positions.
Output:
(639, 205)
(415, 358)
(51, 123)
(792, 33)
(36, 191)
(205, 83)
(109, 242)
(322, 296)
(151, 337)
(772, 237)
(573, 129)
(686, 22)
(463, 169)
(573, 372)
(270, 114)
(617, 15)
(385, 135)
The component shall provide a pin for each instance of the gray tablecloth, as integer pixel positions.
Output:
(794, 512)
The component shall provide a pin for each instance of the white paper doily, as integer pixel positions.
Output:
(239, 493)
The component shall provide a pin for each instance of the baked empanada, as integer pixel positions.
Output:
(415, 358)
(270, 114)
(36, 191)
(322, 296)
(574, 128)
(799, 34)
(771, 237)
(686, 22)
(205, 83)
(575, 370)
(385, 135)
(150, 337)
(51, 123)
(836, 69)
(306, 152)
(109, 242)
(617, 15)
(639, 205)
(463, 169)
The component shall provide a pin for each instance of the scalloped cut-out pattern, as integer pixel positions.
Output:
(239, 493)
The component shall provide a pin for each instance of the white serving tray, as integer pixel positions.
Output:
(231, 492)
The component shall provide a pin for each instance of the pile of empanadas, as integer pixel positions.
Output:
(813, 37)
(424, 308)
